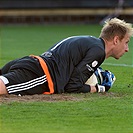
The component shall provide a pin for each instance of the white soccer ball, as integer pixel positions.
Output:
(92, 80)
(95, 78)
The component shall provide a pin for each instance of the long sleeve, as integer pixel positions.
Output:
(84, 70)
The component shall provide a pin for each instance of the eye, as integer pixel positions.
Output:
(127, 42)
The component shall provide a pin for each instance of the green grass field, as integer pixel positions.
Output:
(90, 113)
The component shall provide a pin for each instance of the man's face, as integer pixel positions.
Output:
(121, 47)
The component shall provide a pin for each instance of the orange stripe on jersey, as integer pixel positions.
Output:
(46, 71)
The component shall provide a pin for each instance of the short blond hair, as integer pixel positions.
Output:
(116, 27)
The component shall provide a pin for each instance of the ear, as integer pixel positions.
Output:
(116, 40)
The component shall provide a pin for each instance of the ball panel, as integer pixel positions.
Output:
(96, 78)
(92, 80)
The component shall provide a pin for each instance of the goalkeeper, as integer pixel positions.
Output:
(67, 65)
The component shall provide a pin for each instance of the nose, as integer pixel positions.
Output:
(127, 49)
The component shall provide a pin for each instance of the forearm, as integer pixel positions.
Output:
(84, 89)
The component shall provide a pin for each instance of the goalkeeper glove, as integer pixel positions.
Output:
(108, 80)
(100, 88)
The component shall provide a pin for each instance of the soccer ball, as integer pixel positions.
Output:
(96, 78)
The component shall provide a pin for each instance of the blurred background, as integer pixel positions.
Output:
(64, 11)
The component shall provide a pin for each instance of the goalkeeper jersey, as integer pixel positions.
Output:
(72, 61)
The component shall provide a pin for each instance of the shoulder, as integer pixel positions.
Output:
(90, 40)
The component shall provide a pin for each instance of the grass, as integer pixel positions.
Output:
(92, 113)
(17, 41)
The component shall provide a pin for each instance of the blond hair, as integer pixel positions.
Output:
(116, 27)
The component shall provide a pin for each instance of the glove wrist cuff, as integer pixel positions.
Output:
(100, 88)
